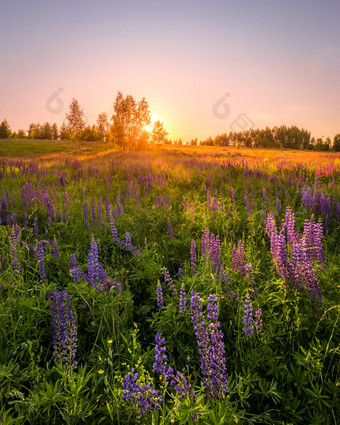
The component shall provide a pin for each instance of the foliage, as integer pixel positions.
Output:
(157, 271)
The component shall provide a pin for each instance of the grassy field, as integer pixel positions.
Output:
(176, 285)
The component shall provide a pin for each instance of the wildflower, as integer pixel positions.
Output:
(159, 293)
(178, 380)
(13, 248)
(248, 317)
(179, 274)
(258, 321)
(55, 249)
(211, 347)
(182, 300)
(234, 259)
(143, 394)
(169, 281)
(159, 365)
(170, 230)
(41, 262)
(35, 226)
(110, 341)
(240, 259)
(100, 371)
(251, 281)
(96, 275)
(64, 328)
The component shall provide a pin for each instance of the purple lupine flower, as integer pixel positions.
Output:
(51, 212)
(179, 274)
(182, 300)
(67, 201)
(85, 216)
(55, 249)
(307, 199)
(304, 271)
(216, 351)
(246, 201)
(248, 317)
(251, 281)
(41, 262)
(193, 258)
(258, 321)
(234, 297)
(214, 249)
(211, 347)
(113, 228)
(144, 395)
(127, 238)
(205, 242)
(159, 294)
(290, 226)
(168, 280)
(4, 202)
(73, 260)
(312, 241)
(178, 380)
(232, 194)
(94, 273)
(299, 271)
(13, 249)
(234, 259)
(170, 230)
(128, 245)
(240, 259)
(264, 196)
(160, 358)
(64, 328)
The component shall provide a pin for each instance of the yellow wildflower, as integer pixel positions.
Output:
(100, 371)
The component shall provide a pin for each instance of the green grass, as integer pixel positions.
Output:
(30, 149)
(286, 374)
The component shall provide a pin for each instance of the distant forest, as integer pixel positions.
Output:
(127, 129)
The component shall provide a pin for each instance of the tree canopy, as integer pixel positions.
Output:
(129, 119)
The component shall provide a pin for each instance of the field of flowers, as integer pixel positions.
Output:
(172, 286)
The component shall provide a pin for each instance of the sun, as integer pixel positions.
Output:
(149, 127)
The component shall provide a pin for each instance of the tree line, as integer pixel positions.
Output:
(128, 128)
(276, 138)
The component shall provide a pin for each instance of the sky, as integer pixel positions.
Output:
(205, 67)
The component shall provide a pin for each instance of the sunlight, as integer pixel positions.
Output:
(149, 127)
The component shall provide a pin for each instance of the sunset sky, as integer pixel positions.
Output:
(279, 61)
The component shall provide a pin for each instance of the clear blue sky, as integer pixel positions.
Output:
(278, 60)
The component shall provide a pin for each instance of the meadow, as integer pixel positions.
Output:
(176, 285)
